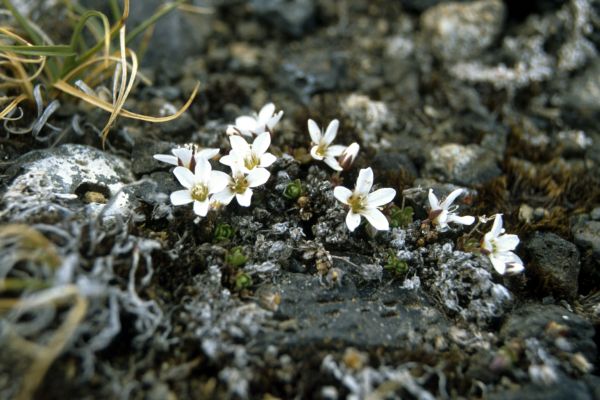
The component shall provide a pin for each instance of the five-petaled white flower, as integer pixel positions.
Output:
(322, 149)
(246, 157)
(240, 184)
(498, 247)
(363, 203)
(198, 186)
(185, 157)
(441, 213)
(249, 125)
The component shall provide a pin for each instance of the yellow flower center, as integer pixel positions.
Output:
(321, 149)
(240, 185)
(251, 161)
(357, 203)
(199, 192)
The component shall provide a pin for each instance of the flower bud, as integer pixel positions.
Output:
(348, 156)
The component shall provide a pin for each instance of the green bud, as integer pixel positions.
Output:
(293, 190)
(242, 281)
(395, 265)
(401, 217)
(235, 257)
(223, 232)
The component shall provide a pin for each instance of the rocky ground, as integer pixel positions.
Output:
(280, 300)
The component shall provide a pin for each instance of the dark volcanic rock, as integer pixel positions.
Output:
(324, 317)
(391, 161)
(586, 235)
(293, 17)
(457, 31)
(548, 323)
(555, 264)
(312, 71)
(465, 165)
(565, 388)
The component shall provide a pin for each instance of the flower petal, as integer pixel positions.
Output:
(207, 153)
(224, 196)
(246, 123)
(185, 177)
(352, 220)
(265, 113)
(218, 181)
(266, 160)
(201, 207)
(244, 199)
(313, 153)
(166, 158)
(257, 177)
(464, 220)
(381, 197)
(239, 145)
(451, 197)
(376, 218)
(433, 200)
(203, 170)
(184, 154)
(497, 226)
(342, 194)
(333, 163)
(314, 131)
(331, 131)
(498, 263)
(364, 181)
(231, 160)
(274, 119)
(181, 197)
(261, 143)
(507, 242)
(335, 150)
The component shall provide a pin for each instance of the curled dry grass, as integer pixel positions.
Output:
(29, 58)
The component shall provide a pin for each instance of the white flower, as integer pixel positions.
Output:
(198, 186)
(498, 247)
(246, 157)
(249, 125)
(348, 156)
(239, 186)
(322, 149)
(363, 203)
(185, 157)
(441, 213)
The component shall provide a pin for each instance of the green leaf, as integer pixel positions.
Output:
(27, 27)
(43, 50)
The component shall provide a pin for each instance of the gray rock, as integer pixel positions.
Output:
(391, 161)
(535, 321)
(464, 286)
(176, 35)
(584, 92)
(586, 235)
(142, 160)
(41, 179)
(313, 71)
(595, 214)
(317, 315)
(554, 262)
(464, 165)
(294, 17)
(459, 31)
(420, 5)
(565, 388)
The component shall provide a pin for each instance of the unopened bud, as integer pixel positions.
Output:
(349, 155)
